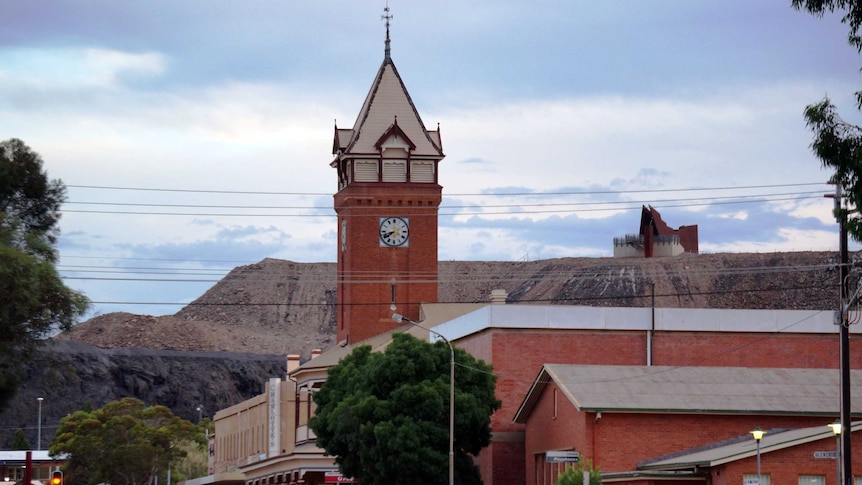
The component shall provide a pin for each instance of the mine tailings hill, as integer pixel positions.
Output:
(220, 349)
(282, 307)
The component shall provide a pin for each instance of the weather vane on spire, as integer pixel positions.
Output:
(387, 17)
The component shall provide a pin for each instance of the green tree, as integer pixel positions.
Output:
(194, 464)
(33, 299)
(384, 416)
(852, 15)
(19, 441)
(574, 475)
(838, 144)
(124, 443)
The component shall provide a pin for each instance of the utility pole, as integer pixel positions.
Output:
(844, 340)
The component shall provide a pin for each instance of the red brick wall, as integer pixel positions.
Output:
(562, 428)
(626, 439)
(502, 463)
(791, 350)
(688, 238)
(518, 356)
(785, 466)
(623, 440)
(366, 270)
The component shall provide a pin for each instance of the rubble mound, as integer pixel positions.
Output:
(281, 307)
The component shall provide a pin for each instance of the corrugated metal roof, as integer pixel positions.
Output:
(744, 447)
(433, 315)
(694, 389)
(35, 455)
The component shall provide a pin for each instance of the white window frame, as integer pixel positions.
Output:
(812, 479)
(749, 478)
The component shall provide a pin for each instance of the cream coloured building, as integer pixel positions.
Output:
(266, 440)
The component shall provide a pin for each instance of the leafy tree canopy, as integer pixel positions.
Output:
(838, 144)
(385, 415)
(852, 14)
(574, 475)
(124, 443)
(19, 441)
(33, 299)
(29, 201)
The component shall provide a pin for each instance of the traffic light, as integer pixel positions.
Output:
(57, 478)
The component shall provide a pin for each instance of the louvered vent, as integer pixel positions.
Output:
(422, 171)
(366, 171)
(395, 170)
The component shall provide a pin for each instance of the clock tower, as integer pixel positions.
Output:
(387, 202)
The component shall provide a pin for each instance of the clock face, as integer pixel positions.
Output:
(394, 231)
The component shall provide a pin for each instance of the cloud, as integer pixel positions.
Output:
(240, 99)
(785, 239)
(66, 70)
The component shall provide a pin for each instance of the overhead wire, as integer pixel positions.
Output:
(443, 275)
(818, 193)
(82, 272)
(522, 208)
(550, 300)
(483, 194)
(384, 277)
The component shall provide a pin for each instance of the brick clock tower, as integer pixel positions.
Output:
(387, 202)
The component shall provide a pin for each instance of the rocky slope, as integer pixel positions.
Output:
(70, 375)
(280, 307)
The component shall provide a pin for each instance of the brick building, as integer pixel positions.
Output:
(387, 201)
(633, 421)
(656, 238)
(521, 340)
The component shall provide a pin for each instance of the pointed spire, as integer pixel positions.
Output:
(387, 17)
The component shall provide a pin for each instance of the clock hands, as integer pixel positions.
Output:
(393, 231)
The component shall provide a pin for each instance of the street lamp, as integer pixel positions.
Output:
(200, 409)
(401, 318)
(836, 429)
(39, 427)
(758, 434)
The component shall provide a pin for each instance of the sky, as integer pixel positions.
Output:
(196, 136)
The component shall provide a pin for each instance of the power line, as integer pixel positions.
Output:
(499, 194)
(441, 278)
(709, 201)
(194, 191)
(554, 300)
(819, 194)
(127, 258)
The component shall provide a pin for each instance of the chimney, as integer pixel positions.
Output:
(292, 362)
(315, 353)
(498, 297)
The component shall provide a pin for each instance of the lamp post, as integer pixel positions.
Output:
(39, 427)
(400, 318)
(836, 429)
(758, 434)
(200, 409)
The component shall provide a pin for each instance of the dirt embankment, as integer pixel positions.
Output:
(280, 307)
